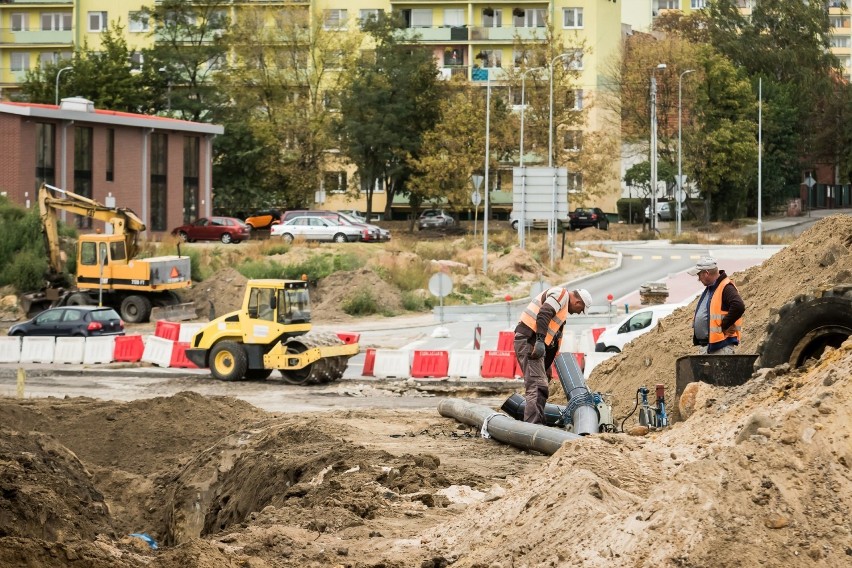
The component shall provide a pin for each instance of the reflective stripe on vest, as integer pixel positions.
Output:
(555, 296)
(716, 315)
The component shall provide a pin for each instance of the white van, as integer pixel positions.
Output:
(615, 337)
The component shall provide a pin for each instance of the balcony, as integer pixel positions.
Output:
(507, 34)
(450, 71)
(62, 37)
(444, 34)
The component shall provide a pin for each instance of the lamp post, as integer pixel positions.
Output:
(523, 220)
(487, 189)
(552, 228)
(678, 195)
(56, 90)
(654, 145)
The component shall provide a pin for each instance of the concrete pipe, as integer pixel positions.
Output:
(581, 410)
(505, 429)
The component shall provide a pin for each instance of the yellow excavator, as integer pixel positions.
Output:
(271, 331)
(108, 272)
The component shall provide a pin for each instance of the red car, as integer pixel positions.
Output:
(225, 229)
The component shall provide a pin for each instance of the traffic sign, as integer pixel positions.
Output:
(440, 284)
(476, 198)
(680, 196)
(809, 181)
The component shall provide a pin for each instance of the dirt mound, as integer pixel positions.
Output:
(820, 258)
(339, 288)
(220, 294)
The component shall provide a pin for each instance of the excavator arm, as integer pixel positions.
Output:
(124, 221)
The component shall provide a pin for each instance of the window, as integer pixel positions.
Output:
(137, 58)
(575, 63)
(83, 169)
(491, 58)
(19, 60)
(335, 19)
(97, 21)
(698, 4)
(838, 21)
(368, 15)
(668, 4)
(453, 16)
(574, 99)
(20, 22)
(572, 18)
(334, 182)
(575, 182)
(421, 18)
(840, 41)
(331, 100)
(110, 154)
(137, 22)
(55, 21)
(191, 160)
(533, 18)
(44, 153)
(573, 140)
(159, 179)
(492, 18)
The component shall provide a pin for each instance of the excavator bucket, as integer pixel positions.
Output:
(719, 370)
(175, 312)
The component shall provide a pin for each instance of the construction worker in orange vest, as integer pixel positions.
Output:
(537, 338)
(717, 323)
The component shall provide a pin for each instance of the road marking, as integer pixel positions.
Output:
(675, 257)
(636, 257)
(656, 257)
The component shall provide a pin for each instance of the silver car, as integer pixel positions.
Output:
(316, 229)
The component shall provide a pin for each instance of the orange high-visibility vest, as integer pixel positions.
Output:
(559, 297)
(716, 315)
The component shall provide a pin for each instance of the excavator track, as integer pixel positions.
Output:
(325, 370)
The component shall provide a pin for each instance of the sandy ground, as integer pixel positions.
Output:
(759, 474)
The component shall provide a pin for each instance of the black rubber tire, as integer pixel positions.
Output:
(226, 238)
(257, 374)
(340, 238)
(183, 236)
(287, 238)
(804, 327)
(613, 349)
(77, 299)
(228, 361)
(135, 309)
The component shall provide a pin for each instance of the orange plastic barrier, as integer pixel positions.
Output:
(369, 363)
(349, 338)
(432, 364)
(499, 365)
(179, 357)
(128, 348)
(596, 332)
(506, 341)
(167, 330)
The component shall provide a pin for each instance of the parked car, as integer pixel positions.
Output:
(666, 211)
(435, 218)
(373, 232)
(362, 218)
(225, 229)
(383, 234)
(316, 229)
(615, 337)
(72, 321)
(583, 217)
(263, 219)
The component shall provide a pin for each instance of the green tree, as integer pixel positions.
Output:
(390, 98)
(189, 47)
(285, 64)
(104, 76)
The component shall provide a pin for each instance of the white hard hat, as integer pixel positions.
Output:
(586, 297)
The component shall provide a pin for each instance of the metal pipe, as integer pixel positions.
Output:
(502, 428)
(581, 407)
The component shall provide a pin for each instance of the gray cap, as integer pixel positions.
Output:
(705, 263)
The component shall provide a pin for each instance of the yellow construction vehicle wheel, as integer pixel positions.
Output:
(228, 361)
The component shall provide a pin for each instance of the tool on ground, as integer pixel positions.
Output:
(653, 417)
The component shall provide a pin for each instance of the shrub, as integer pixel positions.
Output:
(361, 303)
(414, 302)
(26, 271)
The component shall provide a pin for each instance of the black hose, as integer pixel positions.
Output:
(635, 406)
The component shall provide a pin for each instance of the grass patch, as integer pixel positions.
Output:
(361, 303)
(416, 303)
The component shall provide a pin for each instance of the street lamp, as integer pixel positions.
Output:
(678, 195)
(56, 90)
(654, 145)
(552, 228)
(522, 221)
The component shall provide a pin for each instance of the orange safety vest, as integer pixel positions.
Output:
(716, 315)
(530, 314)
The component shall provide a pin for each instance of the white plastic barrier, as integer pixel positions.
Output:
(187, 330)
(569, 342)
(586, 343)
(592, 361)
(37, 349)
(392, 364)
(465, 364)
(69, 350)
(157, 351)
(10, 349)
(99, 350)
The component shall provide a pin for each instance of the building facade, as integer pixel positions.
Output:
(158, 167)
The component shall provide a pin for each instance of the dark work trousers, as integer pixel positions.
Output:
(535, 382)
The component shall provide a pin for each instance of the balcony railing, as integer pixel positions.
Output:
(20, 3)
(39, 37)
(444, 34)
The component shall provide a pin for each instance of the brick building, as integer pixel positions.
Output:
(161, 168)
